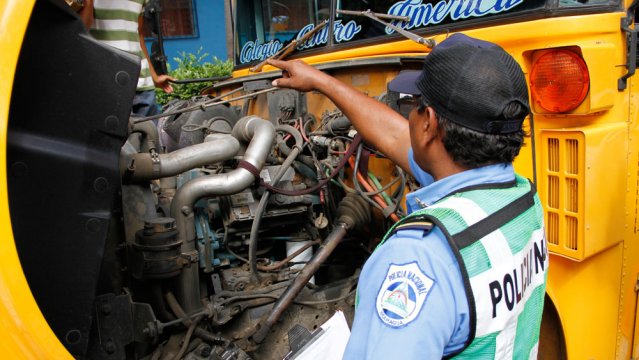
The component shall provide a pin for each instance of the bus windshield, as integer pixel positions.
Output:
(263, 27)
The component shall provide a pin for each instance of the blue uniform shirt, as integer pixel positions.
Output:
(431, 323)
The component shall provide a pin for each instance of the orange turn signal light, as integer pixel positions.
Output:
(559, 81)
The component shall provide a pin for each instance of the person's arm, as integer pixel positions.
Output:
(160, 81)
(86, 13)
(378, 124)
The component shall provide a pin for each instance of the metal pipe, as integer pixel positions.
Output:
(203, 105)
(150, 133)
(289, 257)
(261, 207)
(187, 322)
(261, 134)
(215, 148)
(287, 298)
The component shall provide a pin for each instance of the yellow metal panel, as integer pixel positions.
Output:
(602, 90)
(605, 176)
(587, 300)
(628, 320)
(577, 175)
(24, 332)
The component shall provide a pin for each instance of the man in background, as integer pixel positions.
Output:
(119, 23)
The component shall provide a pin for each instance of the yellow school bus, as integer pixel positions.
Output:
(579, 58)
(123, 239)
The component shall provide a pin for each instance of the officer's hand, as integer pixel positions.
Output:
(296, 75)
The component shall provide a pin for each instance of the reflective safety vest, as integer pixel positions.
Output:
(496, 232)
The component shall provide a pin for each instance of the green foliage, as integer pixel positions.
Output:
(193, 66)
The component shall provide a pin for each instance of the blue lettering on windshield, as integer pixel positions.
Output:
(421, 14)
(342, 32)
(430, 14)
(253, 50)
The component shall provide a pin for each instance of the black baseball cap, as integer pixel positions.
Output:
(470, 82)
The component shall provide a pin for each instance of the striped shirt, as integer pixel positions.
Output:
(116, 24)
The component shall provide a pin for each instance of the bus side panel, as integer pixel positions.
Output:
(587, 300)
(629, 321)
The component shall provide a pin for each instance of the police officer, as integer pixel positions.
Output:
(464, 274)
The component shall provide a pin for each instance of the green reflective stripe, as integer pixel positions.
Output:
(115, 35)
(453, 221)
(518, 231)
(109, 14)
(528, 319)
(481, 348)
(501, 194)
(476, 259)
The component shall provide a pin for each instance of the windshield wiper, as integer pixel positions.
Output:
(430, 43)
(286, 50)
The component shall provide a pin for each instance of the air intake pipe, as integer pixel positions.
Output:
(152, 165)
(260, 135)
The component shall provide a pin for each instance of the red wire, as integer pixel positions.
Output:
(378, 199)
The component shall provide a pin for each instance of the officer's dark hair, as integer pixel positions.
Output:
(472, 149)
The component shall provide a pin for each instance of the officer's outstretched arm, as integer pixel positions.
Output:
(378, 124)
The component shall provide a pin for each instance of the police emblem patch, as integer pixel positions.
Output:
(402, 295)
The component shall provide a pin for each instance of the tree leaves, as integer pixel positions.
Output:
(193, 66)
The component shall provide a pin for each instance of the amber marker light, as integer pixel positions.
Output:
(559, 81)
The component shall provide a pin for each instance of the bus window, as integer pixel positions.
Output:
(571, 3)
(263, 27)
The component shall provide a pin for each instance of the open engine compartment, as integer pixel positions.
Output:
(211, 242)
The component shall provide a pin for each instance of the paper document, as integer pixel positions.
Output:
(330, 343)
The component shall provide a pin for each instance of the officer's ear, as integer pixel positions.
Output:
(430, 125)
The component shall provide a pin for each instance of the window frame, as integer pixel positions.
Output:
(196, 27)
